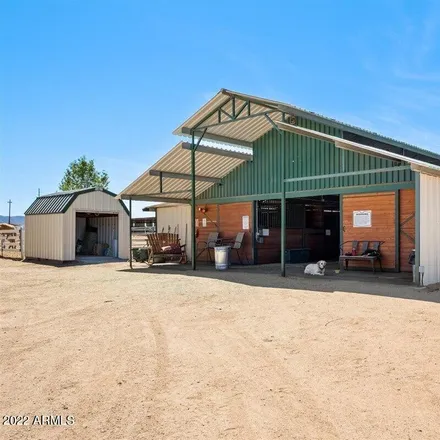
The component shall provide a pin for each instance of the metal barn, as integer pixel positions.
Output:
(63, 225)
(302, 183)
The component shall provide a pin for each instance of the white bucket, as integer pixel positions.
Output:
(222, 257)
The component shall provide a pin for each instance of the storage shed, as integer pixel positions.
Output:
(63, 225)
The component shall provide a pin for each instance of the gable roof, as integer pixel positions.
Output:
(244, 130)
(59, 202)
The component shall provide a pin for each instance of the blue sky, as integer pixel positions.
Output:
(112, 79)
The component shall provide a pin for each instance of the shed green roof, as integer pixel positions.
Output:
(59, 202)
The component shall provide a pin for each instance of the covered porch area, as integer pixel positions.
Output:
(189, 172)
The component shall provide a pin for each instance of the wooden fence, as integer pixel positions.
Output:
(11, 243)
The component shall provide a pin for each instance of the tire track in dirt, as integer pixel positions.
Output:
(282, 393)
(161, 372)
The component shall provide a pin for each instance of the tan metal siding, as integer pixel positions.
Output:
(99, 202)
(430, 227)
(176, 218)
(44, 236)
(123, 235)
(107, 230)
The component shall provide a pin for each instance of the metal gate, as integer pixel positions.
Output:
(11, 241)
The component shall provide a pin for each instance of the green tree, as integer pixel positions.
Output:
(82, 173)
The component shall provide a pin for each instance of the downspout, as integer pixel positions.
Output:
(283, 205)
(417, 196)
(193, 204)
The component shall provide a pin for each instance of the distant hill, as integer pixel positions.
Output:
(15, 219)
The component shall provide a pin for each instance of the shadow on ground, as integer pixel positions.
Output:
(394, 285)
(80, 261)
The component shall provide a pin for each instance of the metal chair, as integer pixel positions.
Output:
(236, 244)
(209, 244)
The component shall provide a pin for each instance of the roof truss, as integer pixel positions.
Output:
(219, 152)
(171, 175)
(216, 137)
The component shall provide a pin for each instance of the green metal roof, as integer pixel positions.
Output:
(59, 202)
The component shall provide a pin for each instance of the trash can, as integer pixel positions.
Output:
(222, 257)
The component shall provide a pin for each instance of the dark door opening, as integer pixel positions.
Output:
(96, 234)
(312, 229)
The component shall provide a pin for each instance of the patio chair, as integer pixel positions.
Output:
(236, 244)
(207, 245)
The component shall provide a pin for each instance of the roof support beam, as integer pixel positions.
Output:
(169, 175)
(247, 103)
(152, 198)
(273, 124)
(218, 152)
(242, 118)
(213, 112)
(181, 191)
(215, 137)
(350, 173)
(253, 99)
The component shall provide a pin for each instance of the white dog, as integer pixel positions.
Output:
(316, 269)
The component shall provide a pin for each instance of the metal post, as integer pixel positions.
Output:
(20, 240)
(193, 203)
(10, 203)
(254, 231)
(397, 230)
(283, 205)
(417, 191)
(130, 238)
(341, 219)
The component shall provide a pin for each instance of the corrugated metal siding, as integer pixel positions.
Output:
(107, 229)
(304, 157)
(44, 236)
(176, 217)
(430, 227)
(96, 201)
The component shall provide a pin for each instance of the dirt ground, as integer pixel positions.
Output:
(166, 354)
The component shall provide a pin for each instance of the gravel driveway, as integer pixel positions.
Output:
(168, 354)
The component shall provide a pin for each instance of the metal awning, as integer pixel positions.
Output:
(169, 179)
(233, 118)
(238, 119)
(416, 165)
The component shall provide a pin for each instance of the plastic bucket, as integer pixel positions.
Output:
(222, 257)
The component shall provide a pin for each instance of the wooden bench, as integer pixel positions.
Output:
(361, 247)
(165, 245)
